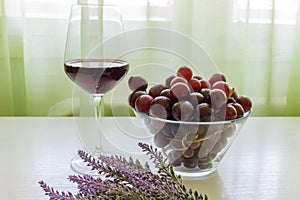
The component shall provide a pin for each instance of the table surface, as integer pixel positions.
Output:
(263, 162)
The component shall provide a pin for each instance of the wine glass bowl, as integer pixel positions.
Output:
(194, 149)
(96, 76)
(94, 44)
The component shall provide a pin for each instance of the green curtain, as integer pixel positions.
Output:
(293, 96)
(12, 61)
(6, 100)
(254, 42)
(32, 45)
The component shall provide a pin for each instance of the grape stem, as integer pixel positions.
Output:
(183, 140)
(230, 97)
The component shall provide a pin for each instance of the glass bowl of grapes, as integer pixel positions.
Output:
(193, 120)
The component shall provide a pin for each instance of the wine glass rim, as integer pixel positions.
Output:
(110, 60)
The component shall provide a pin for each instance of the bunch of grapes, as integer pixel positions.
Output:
(188, 97)
(212, 106)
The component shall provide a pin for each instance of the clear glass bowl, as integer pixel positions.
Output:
(193, 148)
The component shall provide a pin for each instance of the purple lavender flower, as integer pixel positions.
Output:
(126, 179)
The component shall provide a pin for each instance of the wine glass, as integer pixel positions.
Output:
(95, 42)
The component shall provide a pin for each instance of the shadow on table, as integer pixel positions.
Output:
(211, 185)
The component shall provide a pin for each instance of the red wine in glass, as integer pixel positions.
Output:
(96, 76)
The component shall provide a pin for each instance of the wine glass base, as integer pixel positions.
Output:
(80, 167)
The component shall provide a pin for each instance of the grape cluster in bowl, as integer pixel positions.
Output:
(193, 120)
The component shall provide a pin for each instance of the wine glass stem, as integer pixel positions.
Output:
(97, 106)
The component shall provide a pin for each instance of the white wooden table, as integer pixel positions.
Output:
(263, 162)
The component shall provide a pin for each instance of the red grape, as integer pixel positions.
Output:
(160, 107)
(185, 72)
(195, 85)
(142, 103)
(180, 91)
(134, 96)
(230, 112)
(167, 93)
(178, 80)
(217, 98)
(190, 163)
(216, 77)
(245, 102)
(186, 97)
(156, 89)
(239, 109)
(137, 83)
(196, 98)
(175, 158)
(206, 94)
(219, 114)
(161, 140)
(222, 86)
(182, 110)
(195, 144)
(198, 77)
(169, 79)
(204, 110)
(204, 84)
(205, 162)
(188, 153)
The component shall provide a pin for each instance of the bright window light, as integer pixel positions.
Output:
(160, 3)
(47, 8)
(143, 10)
(133, 10)
(265, 11)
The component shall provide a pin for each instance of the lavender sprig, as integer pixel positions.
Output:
(126, 179)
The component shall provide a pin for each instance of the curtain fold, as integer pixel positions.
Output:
(293, 97)
(17, 70)
(6, 98)
(13, 76)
